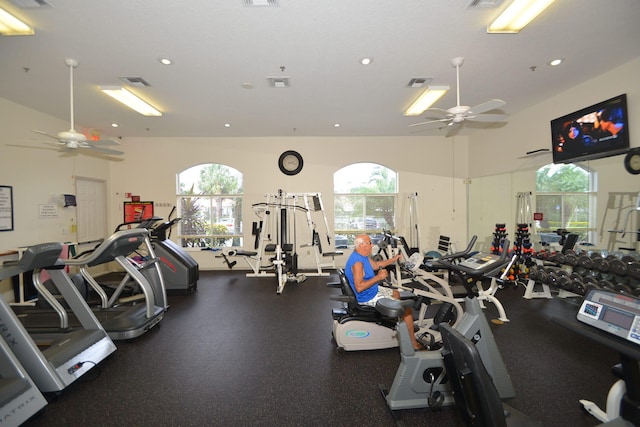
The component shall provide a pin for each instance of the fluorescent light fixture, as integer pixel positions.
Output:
(426, 100)
(12, 26)
(130, 100)
(519, 13)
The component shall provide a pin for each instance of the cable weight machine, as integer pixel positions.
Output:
(276, 238)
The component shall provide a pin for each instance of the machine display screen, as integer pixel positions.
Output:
(618, 319)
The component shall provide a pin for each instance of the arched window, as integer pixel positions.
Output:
(210, 200)
(565, 195)
(364, 201)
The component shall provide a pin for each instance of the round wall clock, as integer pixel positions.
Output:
(290, 162)
(632, 161)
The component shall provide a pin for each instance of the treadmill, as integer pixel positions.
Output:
(57, 358)
(122, 321)
(20, 399)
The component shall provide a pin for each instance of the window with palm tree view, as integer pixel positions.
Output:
(565, 195)
(364, 202)
(210, 201)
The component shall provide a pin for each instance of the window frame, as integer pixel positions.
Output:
(347, 226)
(587, 234)
(215, 232)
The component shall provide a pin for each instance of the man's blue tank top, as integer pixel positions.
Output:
(369, 293)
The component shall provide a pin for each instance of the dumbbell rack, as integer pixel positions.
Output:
(499, 235)
(522, 247)
(574, 273)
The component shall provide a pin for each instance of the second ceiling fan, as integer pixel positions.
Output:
(73, 140)
(454, 117)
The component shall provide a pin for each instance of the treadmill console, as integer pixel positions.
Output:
(480, 260)
(613, 313)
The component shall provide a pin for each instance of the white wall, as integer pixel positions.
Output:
(38, 177)
(151, 165)
(498, 150)
(498, 175)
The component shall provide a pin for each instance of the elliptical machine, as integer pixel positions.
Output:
(421, 380)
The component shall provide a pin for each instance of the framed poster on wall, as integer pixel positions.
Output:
(137, 211)
(6, 208)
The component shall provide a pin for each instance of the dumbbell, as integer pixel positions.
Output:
(585, 261)
(618, 267)
(606, 285)
(622, 288)
(563, 280)
(590, 282)
(633, 270)
(601, 264)
(571, 259)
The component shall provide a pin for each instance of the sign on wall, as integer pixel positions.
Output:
(6, 208)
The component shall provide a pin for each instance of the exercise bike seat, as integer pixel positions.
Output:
(393, 308)
(349, 298)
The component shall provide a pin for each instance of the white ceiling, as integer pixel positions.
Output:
(217, 45)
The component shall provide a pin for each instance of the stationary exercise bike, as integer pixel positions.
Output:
(421, 380)
(360, 327)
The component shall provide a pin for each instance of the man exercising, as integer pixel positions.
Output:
(360, 271)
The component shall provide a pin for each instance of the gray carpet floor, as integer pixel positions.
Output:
(235, 353)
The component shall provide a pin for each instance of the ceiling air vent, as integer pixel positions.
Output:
(278, 82)
(135, 81)
(255, 3)
(419, 82)
(30, 4)
(483, 4)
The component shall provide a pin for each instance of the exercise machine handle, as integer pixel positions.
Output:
(490, 268)
(461, 254)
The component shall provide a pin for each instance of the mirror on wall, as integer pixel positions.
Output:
(598, 200)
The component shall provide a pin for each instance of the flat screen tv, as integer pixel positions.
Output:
(594, 132)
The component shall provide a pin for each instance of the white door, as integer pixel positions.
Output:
(91, 197)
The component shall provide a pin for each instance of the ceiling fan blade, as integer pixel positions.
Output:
(429, 122)
(46, 134)
(437, 111)
(32, 147)
(492, 104)
(57, 144)
(104, 142)
(453, 129)
(488, 118)
(102, 150)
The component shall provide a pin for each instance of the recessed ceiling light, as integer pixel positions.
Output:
(336, 125)
(556, 62)
(227, 125)
(114, 125)
(165, 61)
(366, 61)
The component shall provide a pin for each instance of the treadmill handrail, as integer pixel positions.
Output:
(120, 243)
(34, 257)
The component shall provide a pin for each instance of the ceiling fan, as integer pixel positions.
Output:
(455, 116)
(72, 140)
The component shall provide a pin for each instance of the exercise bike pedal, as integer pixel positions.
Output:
(428, 341)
